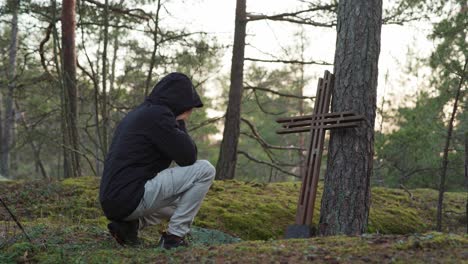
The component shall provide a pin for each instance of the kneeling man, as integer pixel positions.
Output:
(137, 187)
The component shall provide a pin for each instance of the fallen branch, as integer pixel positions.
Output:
(15, 219)
(453, 212)
(407, 191)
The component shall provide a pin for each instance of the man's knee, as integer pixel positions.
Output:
(208, 169)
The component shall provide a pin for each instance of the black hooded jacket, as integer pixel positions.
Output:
(145, 142)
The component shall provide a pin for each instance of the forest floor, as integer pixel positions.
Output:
(238, 223)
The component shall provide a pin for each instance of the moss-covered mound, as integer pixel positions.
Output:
(426, 248)
(65, 223)
(246, 210)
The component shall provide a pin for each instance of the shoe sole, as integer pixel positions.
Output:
(115, 235)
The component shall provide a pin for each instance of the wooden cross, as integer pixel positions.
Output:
(317, 123)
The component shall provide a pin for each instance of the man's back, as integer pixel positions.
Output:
(131, 161)
(145, 143)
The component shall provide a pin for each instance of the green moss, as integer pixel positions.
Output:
(17, 253)
(83, 243)
(395, 220)
(245, 209)
(66, 224)
(433, 240)
(340, 249)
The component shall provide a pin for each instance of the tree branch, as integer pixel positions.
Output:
(261, 107)
(294, 17)
(256, 135)
(41, 47)
(290, 61)
(266, 163)
(16, 220)
(249, 87)
(206, 122)
(296, 21)
(129, 12)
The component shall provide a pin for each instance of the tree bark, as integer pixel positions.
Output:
(226, 166)
(443, 172)
(72, 164)
(466, 178)
(104, 112)
(115, 47)
(9, 120)
(1, 136)
(346, 196)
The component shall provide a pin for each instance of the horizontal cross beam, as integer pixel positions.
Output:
(323, 126)
(317, 116)
(324, 121)
(321, 121)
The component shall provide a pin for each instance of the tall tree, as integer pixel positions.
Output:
(346, 196)
(226, 166)
(466, 178)
(9, 120)
(104, 112)
(450, 61)
(448, 138)
(71, 144)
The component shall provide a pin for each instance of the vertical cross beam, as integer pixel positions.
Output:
(305, 209)
(317, 124)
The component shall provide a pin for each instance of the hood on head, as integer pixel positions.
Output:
(175, 91)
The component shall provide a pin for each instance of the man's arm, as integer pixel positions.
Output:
(172, 139)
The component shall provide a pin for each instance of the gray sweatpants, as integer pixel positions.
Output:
(175, 194)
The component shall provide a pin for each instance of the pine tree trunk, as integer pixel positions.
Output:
(1, 135)
(443, 173)
(466, 178)
(104, 112)
(9, 120)
(346, 196)
(72, 159)
(226, 166)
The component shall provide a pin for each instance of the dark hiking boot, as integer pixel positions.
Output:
(125, 233)
(169, 241)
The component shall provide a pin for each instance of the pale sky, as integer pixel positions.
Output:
(217, 17)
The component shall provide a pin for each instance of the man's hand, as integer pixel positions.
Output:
(185, 115)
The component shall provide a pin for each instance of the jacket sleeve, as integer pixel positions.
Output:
(171, 138)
